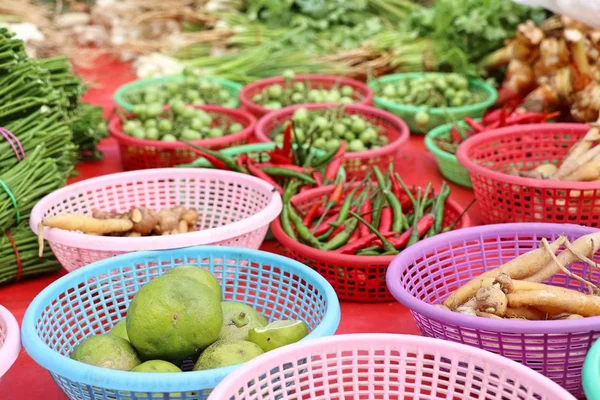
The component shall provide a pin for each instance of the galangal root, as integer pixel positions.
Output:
(138, 222)
(581, 163)
(515, 290)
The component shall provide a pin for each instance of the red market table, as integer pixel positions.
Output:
(28, 381)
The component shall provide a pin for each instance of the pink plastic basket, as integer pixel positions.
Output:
(427, 272)
(362, 93)
(508, 198)
(235, 210)
(143, 153)
(384, 367)
(359, 163)
(10, 340)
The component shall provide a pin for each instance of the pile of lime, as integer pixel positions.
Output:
(326, 128)
(430, 90)
(181, 121)
(191, 89)
(181, 316)
(294, 92)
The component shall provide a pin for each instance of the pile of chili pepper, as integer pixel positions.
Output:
(281, 164)
(367, 218)
(495, 119)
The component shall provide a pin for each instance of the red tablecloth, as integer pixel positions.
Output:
(28, 381)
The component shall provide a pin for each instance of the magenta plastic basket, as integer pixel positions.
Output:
(10, 340)
(384, 367)
(235, 210)
(427, 272)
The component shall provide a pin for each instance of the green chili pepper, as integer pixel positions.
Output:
(290, 190)
(387, 246)
(439, 209)
(288, 173)
(414, 234)
(342, 238)
(378, 205)
(325, 158)
(342, 215)
(369, 253)
(302, 229)
(406, 189)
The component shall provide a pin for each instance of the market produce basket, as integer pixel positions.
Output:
(438, 116)
(10, 340)
(361, 92)
(447, 162)
(384, 366)
(356, 164)
(91, 301)
(509, 198)
(591, 373)
(235, 210)
(426, 273)
(121, 96)
(144, 153)
(354, 278)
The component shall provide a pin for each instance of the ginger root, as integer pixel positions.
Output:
(491, 300)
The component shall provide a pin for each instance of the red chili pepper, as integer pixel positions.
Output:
(491, 117)
(406, 204)
(525, 118)
(310, 215)
(503, 116)
(363, 241)
(366, 212)
(336, 195)
(318, 177)
(279, 158)
(254, 170)
(476, 126)
(334, 166)
(355, 235)
(396, 189)
(551, 115)
(337, 230)
(241, 160)
(324, 227)
(385, 223)
(287, 140)
(304, 188)
(334, 210)
(456, 137)
(211, 159)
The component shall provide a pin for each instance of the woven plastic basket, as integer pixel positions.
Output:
(362, 93)
(508, 198)
(354, 278)
(10, 340)
(120, 96)
(235, 210)
(447, 162)
(357, 164)
(384, 366)
(429, 271)
(144, 153)
(92, 300)
(438, 116)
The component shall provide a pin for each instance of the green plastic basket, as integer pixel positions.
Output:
(591, 372)
(121, 94)
(438, 116)
(447, 162)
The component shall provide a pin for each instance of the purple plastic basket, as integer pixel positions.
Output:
(427, 272)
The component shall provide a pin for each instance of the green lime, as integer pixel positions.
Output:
(107, 351)
(278, 334)
(173, 317)
(120, 330)
(156, 366)
(225, 353)
(201, 275)
(238, 319)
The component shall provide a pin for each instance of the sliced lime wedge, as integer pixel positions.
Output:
(278, 334)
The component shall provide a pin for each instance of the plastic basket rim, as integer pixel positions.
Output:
(119, 96)
(117, 132)
(75, 239)
(246, 101)
(591, 372)
(269, 360)
(167, 382)
(464, 159)
(402, 260)
(360, 109)
(437, 111)
(9, 350)
(279, 233)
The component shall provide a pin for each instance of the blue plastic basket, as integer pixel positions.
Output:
(591, 372)
(92, 299)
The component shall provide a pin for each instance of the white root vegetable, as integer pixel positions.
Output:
(491, 300)
(85, 224)
(581, 304)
